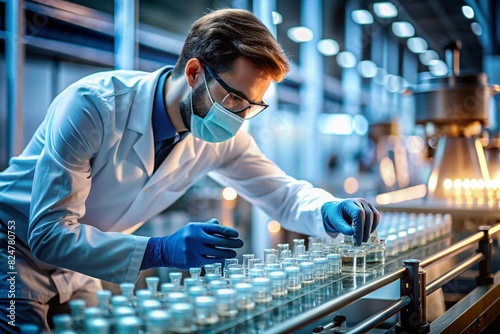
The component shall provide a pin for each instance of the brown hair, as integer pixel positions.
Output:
(218, 38)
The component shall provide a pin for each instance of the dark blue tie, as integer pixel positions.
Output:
(163, 148)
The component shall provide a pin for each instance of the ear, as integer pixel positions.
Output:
(193, 71)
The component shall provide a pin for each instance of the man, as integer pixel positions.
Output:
(117, 148)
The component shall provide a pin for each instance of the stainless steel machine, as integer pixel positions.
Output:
(454, 109)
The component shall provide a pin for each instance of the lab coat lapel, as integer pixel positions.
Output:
(140, 119)
(182, 153)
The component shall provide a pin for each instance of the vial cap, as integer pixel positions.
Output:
(122, 311)
(292, 270)
(277, 275)
(183, 310)
(225, 293)
(119, 300)
(243, 287)
(175, 276)
(197, 291)
(306, 265)
(152, 280)
(167, 287)
(97, 324)
(176, 297)
(320, 260)
(205, 301)
(333, 256)
(159, 318)
(92, 312)
(128, 322)
(261, 281)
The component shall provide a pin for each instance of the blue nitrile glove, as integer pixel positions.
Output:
(194, 245)
(352, 216)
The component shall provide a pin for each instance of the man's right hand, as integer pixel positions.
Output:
(194, 245)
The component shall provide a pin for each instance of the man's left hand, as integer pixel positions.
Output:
(351, 216)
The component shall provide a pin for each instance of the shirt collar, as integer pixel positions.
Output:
(162, 125)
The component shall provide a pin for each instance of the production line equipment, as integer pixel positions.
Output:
(326, 287)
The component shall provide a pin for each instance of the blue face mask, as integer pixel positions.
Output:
(218, 125)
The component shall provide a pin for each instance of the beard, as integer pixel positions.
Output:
(197, 103)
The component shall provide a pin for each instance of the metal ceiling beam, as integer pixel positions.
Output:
(14, 63)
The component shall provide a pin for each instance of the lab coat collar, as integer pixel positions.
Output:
(141, 115)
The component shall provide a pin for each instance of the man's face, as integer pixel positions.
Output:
(245, 78)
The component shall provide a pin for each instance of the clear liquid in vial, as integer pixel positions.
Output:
(354, 263)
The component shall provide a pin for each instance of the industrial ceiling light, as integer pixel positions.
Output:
(438, 67)
(346, 59)
(476, 28)
(300, 34)
(361, 16)
(367, 68)
(417, 44)
(277, 18)
(427, 56)
(328, 47)
(385, 10)
(468, 12)
(403, 29)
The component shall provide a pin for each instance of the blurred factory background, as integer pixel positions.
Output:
(347, 118)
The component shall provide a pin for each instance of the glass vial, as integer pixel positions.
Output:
(320, 269)
(226, 303)
(294, 281)
(307, 271)
(158, 322)
(262, 290)
(205, 309)
(334, 264)
(353, 258)
(278, 284)
(182, 315)
(244, 297)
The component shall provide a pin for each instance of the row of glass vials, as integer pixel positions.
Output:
(199, 302)
(403, 231)
(222, 293)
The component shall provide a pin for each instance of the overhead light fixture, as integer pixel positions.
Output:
(346, 59)
(335, 124)
(385, 9)
(367, 68)
(427, 56)
(403, 29)
(361, 16)
(468, 12)
(476, 28)
(328, 47)
(300, 34)
(438, 67)
(417, 44)
(277, 18)
(394, 83)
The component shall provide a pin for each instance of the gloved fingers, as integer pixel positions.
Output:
(334, 220)
(369, 216)
(376, 218)
(220, 253)
(219, 241)
(356, 213)
(212, 227)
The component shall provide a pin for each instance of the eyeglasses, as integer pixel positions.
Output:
(234, 102)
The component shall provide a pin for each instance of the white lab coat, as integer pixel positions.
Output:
(90, 166)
